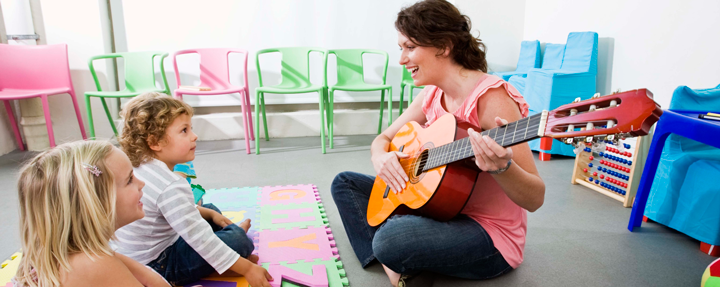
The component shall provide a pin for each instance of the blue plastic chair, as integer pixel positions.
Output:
(529, 58)
(547, 89)
(552, 60)
(684, 155)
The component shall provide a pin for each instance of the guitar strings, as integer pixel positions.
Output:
(458, 151)
(462, 150)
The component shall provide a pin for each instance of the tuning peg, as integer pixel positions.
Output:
(611, 137)
(596, 95)
(569, 141)
(589, 139)
(577, 100)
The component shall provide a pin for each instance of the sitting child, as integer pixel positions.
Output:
(178, 239)
(72, 199)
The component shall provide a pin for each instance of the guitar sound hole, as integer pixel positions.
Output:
(421, 161)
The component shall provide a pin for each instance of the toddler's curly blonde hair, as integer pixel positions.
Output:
(146, 118)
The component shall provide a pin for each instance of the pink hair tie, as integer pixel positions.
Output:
(92, 169)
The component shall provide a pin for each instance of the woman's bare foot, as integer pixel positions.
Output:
(392, 275)
(253, 258)
(245, 225)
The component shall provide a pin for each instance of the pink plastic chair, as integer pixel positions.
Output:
(36, 71)
(214, 74)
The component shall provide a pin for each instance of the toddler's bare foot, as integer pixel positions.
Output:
(253, 258)
(245, 225)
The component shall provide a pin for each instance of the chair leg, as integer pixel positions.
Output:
(78, 115)
(246, 121)
(257, 122)
(249, 113)
(107, 112)
(178, 96)
(322, 119)
(13, 123)
(91, 124)
(390, 115)
(331, 117)
(382, 105)
(402, 93)
(48, 121)
(262, 100)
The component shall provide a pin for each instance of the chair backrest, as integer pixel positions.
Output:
(581, 52)
(214, 66)
(685, 98)
(529, 56)
(553, 57)
(295, 66)
(34, 67)
(140, 70)
(350, 65)
(406, 75)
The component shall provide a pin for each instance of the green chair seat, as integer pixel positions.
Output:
(283, 90)
(360, 87)
(139, 78)
(121, 94)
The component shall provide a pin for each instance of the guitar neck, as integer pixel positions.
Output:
(526, 129)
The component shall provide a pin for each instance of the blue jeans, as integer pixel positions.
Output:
(180, 264)
(409, 244)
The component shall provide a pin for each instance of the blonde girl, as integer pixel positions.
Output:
(72, 199)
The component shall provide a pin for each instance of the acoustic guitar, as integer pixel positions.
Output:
(440, 178)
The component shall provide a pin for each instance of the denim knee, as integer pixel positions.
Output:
(339, 180)
(212, 206)
(388, 248)
(236, 238)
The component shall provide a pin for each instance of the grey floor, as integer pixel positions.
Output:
(577, 238)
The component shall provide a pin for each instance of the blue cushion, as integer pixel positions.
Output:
(553, 57)
(529, 58)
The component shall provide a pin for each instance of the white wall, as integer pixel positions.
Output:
(658, 45)
(500, 26)
(171, 25)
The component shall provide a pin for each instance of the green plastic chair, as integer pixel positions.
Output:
(350, 77)
(407, 80)
(295, 71)
(139, 78)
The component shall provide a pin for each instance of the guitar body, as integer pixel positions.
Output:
(439, 193)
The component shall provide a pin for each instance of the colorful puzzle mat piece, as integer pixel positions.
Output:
(240, 215)
(233, 199)
(9, 268)
(271, 195)
(218, 281)
(311, 273)
(292, 245)
(300, 215)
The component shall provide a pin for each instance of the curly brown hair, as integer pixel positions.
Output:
(439, 24)
(146, 118)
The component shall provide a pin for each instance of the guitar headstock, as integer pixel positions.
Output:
(624, 114)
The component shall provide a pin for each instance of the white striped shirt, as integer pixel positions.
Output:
(170, 213)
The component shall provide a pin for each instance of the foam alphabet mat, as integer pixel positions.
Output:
(290, 231)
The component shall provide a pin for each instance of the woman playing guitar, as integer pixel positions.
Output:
(488, 237)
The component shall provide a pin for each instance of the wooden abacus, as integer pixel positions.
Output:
(612, 172)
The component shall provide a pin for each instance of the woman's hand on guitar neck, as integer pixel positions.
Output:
(388, 168)
(489, 155)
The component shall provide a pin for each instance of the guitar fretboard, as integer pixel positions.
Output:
(513, 133)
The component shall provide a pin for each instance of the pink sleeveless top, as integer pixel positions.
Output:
(504, 221)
